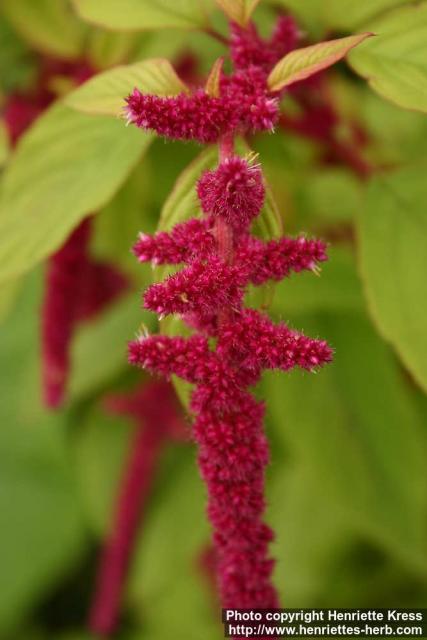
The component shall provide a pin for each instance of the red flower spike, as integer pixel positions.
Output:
(250, 99)
(208, 294)
(186, 241)
(64, 283)
(233, 451)
(202, 286)
(249, 49)
(233, 454)
(276, 259)
(76, 289)
(253, 342)
(103, 284)
(184, 357)
(244, 105)
(234, 191)
(184, 117)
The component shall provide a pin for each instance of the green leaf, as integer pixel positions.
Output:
(182, 202)
(48, 26)
(337, 288)
(337, 15)
(395, 63)
(140, 15)
(42, 533)
(106, 49)
(303, 63)
(173, 43)
(117, 225)
(99, 350)
(8, 294)
(400, 134)
(332, 196)
(239, 11)
(310, 13)
(105, 93)
(393, 259)
(352, 14)
(298, 505)
(67, 166)
(269, 223)
(17, 65)
(355, 426)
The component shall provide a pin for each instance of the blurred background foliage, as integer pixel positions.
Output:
(347, 486)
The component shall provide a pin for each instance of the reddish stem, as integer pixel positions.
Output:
(213, 33)
(226, 147)
(224, 238)
(223, 231)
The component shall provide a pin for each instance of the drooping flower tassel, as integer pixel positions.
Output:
(64, 281)
(77, 288)
(154, 410)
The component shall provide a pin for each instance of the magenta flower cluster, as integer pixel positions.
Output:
(248, 49)
(245, 104)
(77, 288)
(231, 345)
(208, 292)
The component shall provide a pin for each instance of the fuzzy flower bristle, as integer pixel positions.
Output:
(277, 259)
(255, 343)
(244, 105)
(233, 452)
(184, 117)
(204, 285)
(285, 37)
(182, 244)
(234, 191)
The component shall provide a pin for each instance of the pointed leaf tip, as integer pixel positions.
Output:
(212, 86)
(239, 11)
(303, 63)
